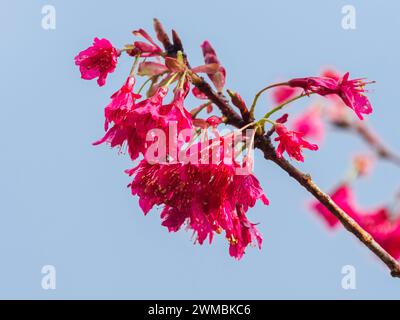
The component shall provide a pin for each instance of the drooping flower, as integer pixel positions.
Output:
(218, 78)
(133, 121)
(282, 94)
(97, 61)
(122, 103)
(209, 197)
(310, 123)
(350, 91)
(292, 142)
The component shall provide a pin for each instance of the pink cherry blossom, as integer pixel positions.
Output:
(97, 61)
(122, 102)
(283, 93)
(350, 91)
(135, 120)
(310, 124)
(292, 142)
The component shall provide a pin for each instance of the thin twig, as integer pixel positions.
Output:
(366, 133)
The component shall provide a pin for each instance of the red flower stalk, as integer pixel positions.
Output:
(292, 142)
(97, 61)
(350, 91)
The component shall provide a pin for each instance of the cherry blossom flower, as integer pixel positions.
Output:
(350, 91)
(310, 124)
(136, 120)
(97, 61)
(122, 102)
(292, 142)
(281, 94)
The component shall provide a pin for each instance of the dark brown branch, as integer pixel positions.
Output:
(264, 143)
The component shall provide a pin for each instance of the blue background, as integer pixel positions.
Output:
(65, 203)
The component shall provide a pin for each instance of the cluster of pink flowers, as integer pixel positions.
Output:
(208, 195)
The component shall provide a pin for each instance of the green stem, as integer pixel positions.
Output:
(259, 93)
(263, 120)
(144, 84)
(182, 79)
(168, 81)
(279, 107)
(132, 73)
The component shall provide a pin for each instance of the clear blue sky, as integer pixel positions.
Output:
(65, 203)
